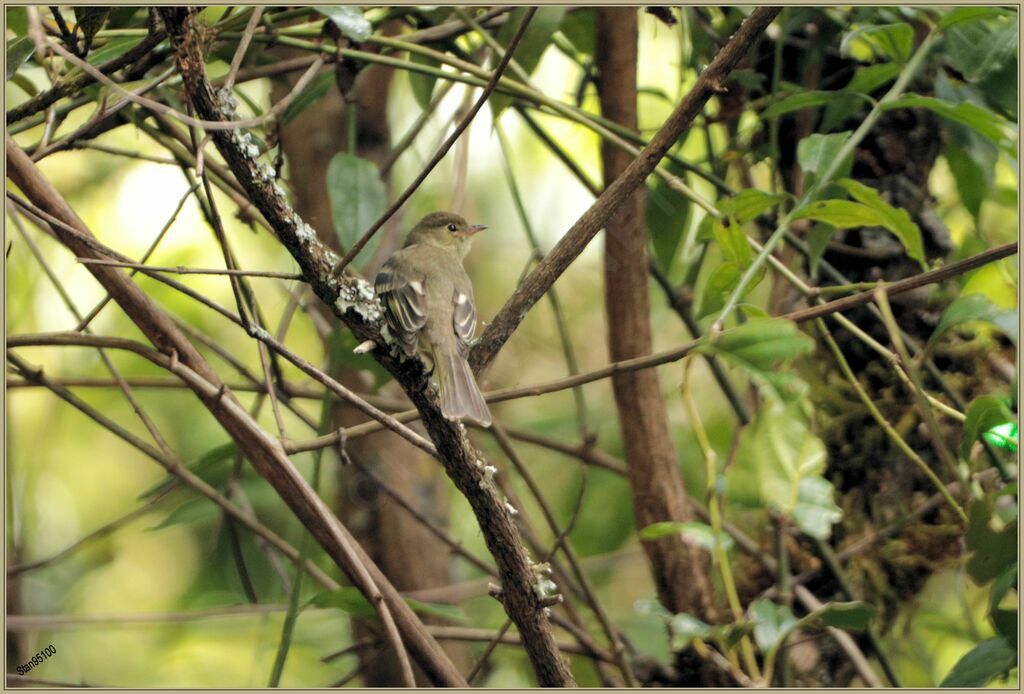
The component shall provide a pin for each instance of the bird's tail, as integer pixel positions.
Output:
(460, 396)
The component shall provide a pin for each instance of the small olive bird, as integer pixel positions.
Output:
(428, 301)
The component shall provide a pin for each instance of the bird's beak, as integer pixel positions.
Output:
(475, 229)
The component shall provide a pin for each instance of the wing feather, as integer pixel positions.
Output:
(463, 320)
(404, 303)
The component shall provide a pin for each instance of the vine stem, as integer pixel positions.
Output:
(714, 516)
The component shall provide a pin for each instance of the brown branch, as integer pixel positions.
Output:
(181, 270)
(593, 220)
(352, 301)
(76, 83)
(265, 453)
(443, 149)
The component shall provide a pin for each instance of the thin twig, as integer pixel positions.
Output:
(181, 270)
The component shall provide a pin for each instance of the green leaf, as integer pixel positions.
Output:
(720, 283)
(815, 511)
(111, 49)
(779, 465)
(192, 510)
(91, 20)
(973, 181)
(887, 41)
(817, 241)
(531, 47)
(866, 80)
(580, 28)
(994, 551)
(747, 204)
(450, 612)
(422, 84)
(850, 616)
(17, 20)
(977, 49)
(347, 599)
(982, 414)
(667, 217)
(207, 467)
(808, 99)
(892, 218)
(1004, 620)
(871, 211)
(314, 91)
(760, 343)
(983, 663)
(983, 121)
(842, 214)
(349, 20)
(358, 197)
(772, 622)
(685, 628)
(18, 51)
(960, 15)
(870, 77)
(699, 533)
(975, 307)
(733, 244)
(816, 152)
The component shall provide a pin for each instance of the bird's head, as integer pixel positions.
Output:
(445, 230)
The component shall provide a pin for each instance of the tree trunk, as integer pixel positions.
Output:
(680, 571)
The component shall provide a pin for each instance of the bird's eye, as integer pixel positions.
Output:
(451, 227)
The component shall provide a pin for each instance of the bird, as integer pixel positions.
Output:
(429, 307)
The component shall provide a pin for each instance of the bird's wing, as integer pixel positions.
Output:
(405, 303)
(463, 319)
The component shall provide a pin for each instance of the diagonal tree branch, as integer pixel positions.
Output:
(266, 454)
(593, 220)
(353, 302)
